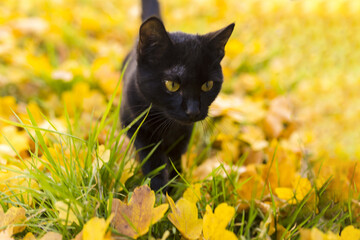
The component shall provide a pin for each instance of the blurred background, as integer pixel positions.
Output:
(291, 67)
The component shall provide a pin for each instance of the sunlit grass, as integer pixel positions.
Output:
(281, 148)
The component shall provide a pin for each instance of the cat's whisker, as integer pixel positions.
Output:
(202, 125)
(210, 126)
(162, 124)
(169, 125)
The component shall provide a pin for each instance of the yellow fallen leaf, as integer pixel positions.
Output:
(18, 139)
(315, 234)
(184, 216)
(350, 233)
(32, 25)
(192, 193)
(214, 225)
(301, 187)
(134, 218)
(285, 193)
(67, 214)
(103, 156)
(7, 106)
(6, 234)
(52, 236)
(254, 136)
(15, 215)
(29, 236)
(96, 229)
(279, 115)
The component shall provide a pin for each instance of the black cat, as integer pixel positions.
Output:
(179, 75)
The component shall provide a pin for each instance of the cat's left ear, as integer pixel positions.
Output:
(218, 39)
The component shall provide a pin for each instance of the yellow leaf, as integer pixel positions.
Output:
(215, 223)
(254, 136)
(316, 234)
(6, 234)
(52, 236)
(32, 25)
(134, 218)
(29, 236)
(103, 157)
(192, 193)
(301, 187)
(96, 229)
(350, 233)
(7, 106)
(35, 111)
(66, 213)
(184, 215)
(15, 215)
(286, 194)
(279, 115)
(17, 138)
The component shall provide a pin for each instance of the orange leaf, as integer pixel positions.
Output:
(134, 218)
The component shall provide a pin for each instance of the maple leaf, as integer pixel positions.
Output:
(15, 215)
(184, 216)
(193, 193)
(302, 187)
(214, 225)
(315, 234)
(29, 236)
(134, 218)
(95, 229)
(350, 233)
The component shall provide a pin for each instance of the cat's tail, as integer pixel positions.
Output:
(150, 8)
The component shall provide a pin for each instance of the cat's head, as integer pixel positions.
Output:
(180, 73)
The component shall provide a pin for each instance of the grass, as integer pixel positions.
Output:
(279, 48)
(74, 177)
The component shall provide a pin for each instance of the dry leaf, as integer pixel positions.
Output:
(15, 215)
(52, 236)
(279, 115)
(300, 188)
(350, 233)
(193, 193)
(6, 234)
(33, 25)
(95, 229)
(184, 216)
(66, 213)
(29, 236)
(134, 218)
(315, 234)
(214, 225)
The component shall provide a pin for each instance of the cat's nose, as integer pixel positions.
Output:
(192, 110)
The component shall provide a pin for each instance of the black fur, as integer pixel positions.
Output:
(190, 60)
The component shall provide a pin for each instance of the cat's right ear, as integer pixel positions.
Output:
(153, 39)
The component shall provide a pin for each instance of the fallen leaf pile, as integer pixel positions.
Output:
(278, 159)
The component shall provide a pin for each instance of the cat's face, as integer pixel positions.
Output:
(179, 73)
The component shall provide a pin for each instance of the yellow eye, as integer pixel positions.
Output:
(207, 86)
(172, 86)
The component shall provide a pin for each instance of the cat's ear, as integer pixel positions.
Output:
(218, 39)
(153, 38)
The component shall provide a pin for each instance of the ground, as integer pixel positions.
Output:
(277, 160)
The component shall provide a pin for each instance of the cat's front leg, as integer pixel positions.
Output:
(152, 162)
